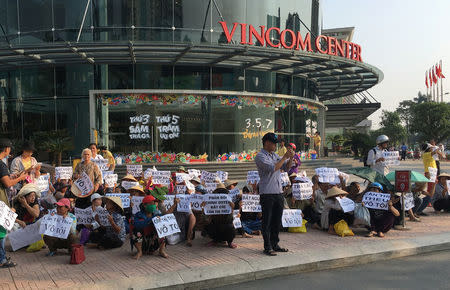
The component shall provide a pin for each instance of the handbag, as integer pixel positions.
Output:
(84, 235)
(77, 256)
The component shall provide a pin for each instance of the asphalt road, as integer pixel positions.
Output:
(430, 271)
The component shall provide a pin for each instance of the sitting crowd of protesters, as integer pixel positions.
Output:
(322, 211)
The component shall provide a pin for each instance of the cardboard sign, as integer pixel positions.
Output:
(210, 187)
(63, 172)
(217, 204)
(222, 175)
(184, 205)
(102, 164)
(181, 189)
(84, 184)
(402, 180)
(7, 216)
(433, 174)
(285, 179)
(252, 177)
(391, 158)
(234, 194)
(43, 184)
(55, 226)
(129, 184)
(124, 197)
(250, 203)
(84, 216)
(208, 177)
(409, 201)
(196, 201)
(110, 179)
(376, 200)
(169, 201)
(327, 175)
(292, 218)
(102, 214)
(347, 204)
(25, 236)
(161, 177)
(302, 191)
(134, 170)
(136, 201)
(166, 225)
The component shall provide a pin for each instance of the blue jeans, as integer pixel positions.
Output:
(2, 251)
(425, 201)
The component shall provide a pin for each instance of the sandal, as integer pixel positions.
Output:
(50, 254)
(8, 264)
(381, 235)
(269, 252)
(232, 245)
(371, 234)
(282, 250)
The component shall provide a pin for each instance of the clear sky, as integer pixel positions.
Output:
(403, 38)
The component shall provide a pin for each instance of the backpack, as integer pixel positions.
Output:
(366, 156)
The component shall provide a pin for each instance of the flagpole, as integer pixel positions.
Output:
(432, 88)
(442, 88)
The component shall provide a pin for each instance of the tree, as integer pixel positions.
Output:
(392, 127)
(421, 98)
(431, 121)
(359, 143)
(336, 141)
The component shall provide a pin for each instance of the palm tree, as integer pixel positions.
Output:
(336, 141)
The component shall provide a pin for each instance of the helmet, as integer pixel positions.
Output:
(376, 185)
(382, 139)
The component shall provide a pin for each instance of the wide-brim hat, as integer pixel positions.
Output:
(335, 191)
(230, 182)
(77, 192)
(181, 168)
(444, 175)
(27, 189)
(116, 200)
(221, 185)
(129, 177)
(159, 192)
(196, 179)
(28, 146)
(137, 188)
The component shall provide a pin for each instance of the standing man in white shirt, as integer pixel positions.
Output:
(438, 154)
(375, 159)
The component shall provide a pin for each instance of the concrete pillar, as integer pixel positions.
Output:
(321, 118)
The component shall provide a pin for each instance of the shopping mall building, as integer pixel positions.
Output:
(195, 76)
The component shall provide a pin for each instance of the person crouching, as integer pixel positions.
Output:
(332, 211)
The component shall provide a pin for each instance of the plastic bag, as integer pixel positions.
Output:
(341, 228)
(77, 256)
(301, 229)
(36, 246)
(174, 239)
(362, 215)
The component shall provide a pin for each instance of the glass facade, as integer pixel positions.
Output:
(45, 98)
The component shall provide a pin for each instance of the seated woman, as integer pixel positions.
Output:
(332, 211)
(113, 235)
(144, 235)
(381, 221)
(26, 204)
(441, 198)
(307, 206)
(251, 221)
(422, 197)
(220, 227)
(62, 208)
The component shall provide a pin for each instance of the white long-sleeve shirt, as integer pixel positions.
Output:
(380, 166)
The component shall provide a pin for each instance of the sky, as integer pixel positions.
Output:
(403, 38)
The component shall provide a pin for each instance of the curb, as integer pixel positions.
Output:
(281, 265)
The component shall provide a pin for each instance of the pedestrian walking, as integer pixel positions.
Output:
(375, 158)
(403, 148)
(269, 166)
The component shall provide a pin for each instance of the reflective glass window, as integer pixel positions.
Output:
(192, 78)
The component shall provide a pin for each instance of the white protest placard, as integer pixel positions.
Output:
(25, 236)
(166, 225)
(124, 197)
(210, 186)
(43, 184)
(181, 177)
(135, 170)
(63, 172)
(345, 176)
(55, 226)
(376, 200)
(181, 189)
(84, 184)
(391, 158)
(190, 186)
(129, 184)
(327, 175)
(196, 201)
(169, 201)
(346, 203)
(217, 204)
(236, 219)
(184, 205)
(304, 179)
(161, 177)
(222, 175)
(234, 193)
(285, 179)
(252, 177)
(110, 179)
(84, 216)
(250, 203)
(409, 201)
(302, 191)
(193, 173)
(7, 216)
(102, 164)
(136, 202)
(208, 177)
(433, 173)
(102, 215)
(292, 218)
(149, 172)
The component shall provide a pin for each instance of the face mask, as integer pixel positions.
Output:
(150, 208)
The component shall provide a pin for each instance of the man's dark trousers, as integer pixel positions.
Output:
(272, 211)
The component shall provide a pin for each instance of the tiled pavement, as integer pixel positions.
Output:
(36, 271)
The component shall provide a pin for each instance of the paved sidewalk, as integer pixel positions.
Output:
(201, 266)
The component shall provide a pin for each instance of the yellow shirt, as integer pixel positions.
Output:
(317, 140)
(282, 151)
(428, 161)
(26, 164)
(108, 155)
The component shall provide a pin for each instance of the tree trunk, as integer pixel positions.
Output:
(59, 158)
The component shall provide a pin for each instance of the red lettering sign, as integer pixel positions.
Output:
(402, 180)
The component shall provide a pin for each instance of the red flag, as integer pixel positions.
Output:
(430, 78)
(434, 75)
(426, 80)
(441, 75)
